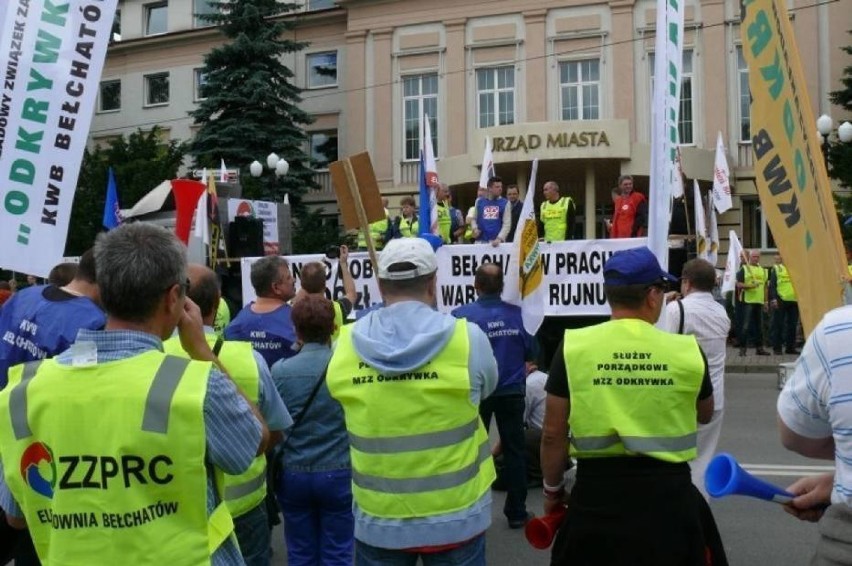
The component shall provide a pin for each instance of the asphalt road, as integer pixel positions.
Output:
(754, 532)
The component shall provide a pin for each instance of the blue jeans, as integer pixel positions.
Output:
(319, 527)
(252, 530)
(471, 553)
(509, 412)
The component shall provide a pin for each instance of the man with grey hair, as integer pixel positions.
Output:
(133, 438)
(266, 321)
(630, 215)
(421, 461)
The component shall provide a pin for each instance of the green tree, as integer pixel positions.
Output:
(140, 162)
(251, 106)
(313, 233)
(840, 154)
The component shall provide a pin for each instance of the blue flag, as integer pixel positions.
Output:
(112, 211)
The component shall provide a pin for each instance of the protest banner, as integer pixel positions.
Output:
(265, 211)
(53, 54)
(790, 174)
(573, 274)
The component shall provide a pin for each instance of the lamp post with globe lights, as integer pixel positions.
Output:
(277, 165)
(825, 126)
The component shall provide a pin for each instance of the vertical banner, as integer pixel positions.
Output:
(789, 169)
(721, 178)
(701, 243)
(526, 262)
(430, 171)
(668, 63)
(52, 56)
(735, 253)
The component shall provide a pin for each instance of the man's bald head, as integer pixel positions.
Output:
(203, 290)
(312, 277)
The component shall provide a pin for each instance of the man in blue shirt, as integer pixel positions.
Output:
(266, 322)
(41, 321)
(493, 215)
(513, 347)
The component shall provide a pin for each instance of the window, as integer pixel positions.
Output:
(110, 96)
(744, 97)
(156, 18)
(323, 148)
(685, 125)
(200, 81)
(320, 4)
(202, 8)
(419, 97)
(156, 89)
(579, 89)
(495, 88)
(322, 69)
(756, 233)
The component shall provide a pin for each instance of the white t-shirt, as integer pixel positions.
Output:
(707, 320)
(817, 400)
(535, 398)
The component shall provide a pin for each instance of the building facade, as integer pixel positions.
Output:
(564, 81)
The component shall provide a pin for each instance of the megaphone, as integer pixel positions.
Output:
(724, 476)
(541, 530)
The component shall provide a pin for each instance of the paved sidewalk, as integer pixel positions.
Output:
(752, 363)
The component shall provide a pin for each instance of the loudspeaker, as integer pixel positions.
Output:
(245, 237)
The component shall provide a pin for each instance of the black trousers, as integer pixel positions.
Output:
(751, 331)
(785, 318)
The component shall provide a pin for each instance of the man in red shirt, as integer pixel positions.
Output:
(630, 219)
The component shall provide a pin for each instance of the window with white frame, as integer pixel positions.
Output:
(156, 89)
(109, 97)
(199, 83)
(323, 148)
(756, 233)
(686, 123)
(495, 90)
(744, 95)
(202, 8)
(156, 18)
(322, 69)
(419, 97)
(579, 89)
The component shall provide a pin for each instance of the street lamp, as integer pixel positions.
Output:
(276, 164)
(825, 125)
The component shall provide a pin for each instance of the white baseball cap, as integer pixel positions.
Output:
(407, 258)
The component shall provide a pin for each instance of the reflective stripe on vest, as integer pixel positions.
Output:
(245, 491)
(634, 395)
(432, 449)
(553, 218)
(754, 274)
(783, 285)
(112, 450)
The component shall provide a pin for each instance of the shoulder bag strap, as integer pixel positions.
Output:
(298, 418)
(680, 325)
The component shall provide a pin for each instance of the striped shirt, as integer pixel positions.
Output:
(233, 433)
(817, 400)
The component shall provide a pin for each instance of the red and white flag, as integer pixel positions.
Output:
(721, 179)
(223, 172)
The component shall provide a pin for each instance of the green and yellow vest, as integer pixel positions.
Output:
(553, 218)
(107, 461)
(633, 391)
(417, 444)
(754, 274)
(783, 285)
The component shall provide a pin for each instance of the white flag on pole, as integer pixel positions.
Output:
(700, 222)
(202, 229)
(721, 179)
(223, 173)
(487, 170)
(526, 252)
(677, 181)
(735, 252)
(713, 237)
(431, 174)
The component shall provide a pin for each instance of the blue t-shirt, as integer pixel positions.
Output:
(489, 217)
(40, 322)
(271, 334)
(512, 345)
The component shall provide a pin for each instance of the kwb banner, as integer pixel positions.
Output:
(790, 173)
(53, 54)
(573, 274)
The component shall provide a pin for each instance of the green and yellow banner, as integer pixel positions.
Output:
(790, 172)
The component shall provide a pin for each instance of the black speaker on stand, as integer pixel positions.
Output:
(245, 237)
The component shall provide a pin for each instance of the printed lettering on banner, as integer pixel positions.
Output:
(53, 54)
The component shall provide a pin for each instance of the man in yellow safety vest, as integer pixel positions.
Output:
(557, 215)
(421, 460)
(113, 451)
(784, 307)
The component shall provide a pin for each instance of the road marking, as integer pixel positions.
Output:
(785, 469)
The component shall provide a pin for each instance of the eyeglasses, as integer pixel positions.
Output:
(184, 286)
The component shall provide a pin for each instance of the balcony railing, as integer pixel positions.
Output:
(745, 155)
(325, 190)
(408, 171)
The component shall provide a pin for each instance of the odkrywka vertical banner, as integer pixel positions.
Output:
(53, 54)
(789, 169)
(668, 63)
